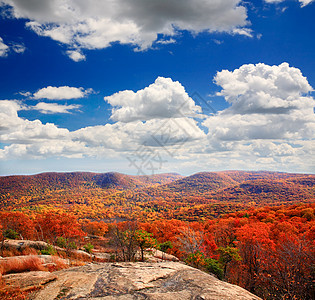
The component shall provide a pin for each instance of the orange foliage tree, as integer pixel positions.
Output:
(52, 225)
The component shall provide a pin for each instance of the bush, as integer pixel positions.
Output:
(11, 234)
(165, 246)
(50, 250)
(61, 242)
(214, 267)
(88, 247)
(72, 245)
(64, 243)
(195, 259)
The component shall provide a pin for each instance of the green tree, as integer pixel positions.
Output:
(214, 266)
(164, 247)
(227, 255)
(144, 240)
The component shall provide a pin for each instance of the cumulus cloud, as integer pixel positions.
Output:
(4, 49)
(267, 103)
(164, 98)
(52, 108)
(61, 93)
(35, 139)
(269, 124)
(93, 24)
(152, 133)
(14, 129)
(264, 89)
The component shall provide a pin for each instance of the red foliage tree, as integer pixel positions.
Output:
(52, 225)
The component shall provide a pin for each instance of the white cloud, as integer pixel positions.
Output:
(129, 136)
(25, 94)
(44, 149)
(52, 108)
(243, 31)
(60, 93)
(14, 129)
(164, 98)
(35, 140)
(303, 2)
(18, 48)
(93, 24)
(166, 42)
(270, 111)
(270, 125)
(264, 89)
(4, 49)
(76, 55)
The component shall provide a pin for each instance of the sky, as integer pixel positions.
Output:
(146, 87)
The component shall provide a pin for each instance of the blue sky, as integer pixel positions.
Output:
(156, 86)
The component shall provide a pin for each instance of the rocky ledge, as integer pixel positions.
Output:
(126, 281)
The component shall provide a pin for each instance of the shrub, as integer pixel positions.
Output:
(214, 267)
(11, 234)
(72, 245)
(50, 250)
(61, 242)
(88, 247)
(195, 259)
(165, 246)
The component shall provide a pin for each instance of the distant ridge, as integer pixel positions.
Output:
(56, 181)
(100, 194)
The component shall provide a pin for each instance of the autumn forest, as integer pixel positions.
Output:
(253, 229)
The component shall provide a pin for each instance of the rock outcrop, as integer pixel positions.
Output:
(28, 281)
(23, 244)
(20, 245)
(126, 281)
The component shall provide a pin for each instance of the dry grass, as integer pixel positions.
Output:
(29, 251)
(15, 252)
(15, 294)
(57, 263)
(21, 264)
(10, 252)
(17, 265)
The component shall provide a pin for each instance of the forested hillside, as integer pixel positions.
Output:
(270, 251)
(111, 196)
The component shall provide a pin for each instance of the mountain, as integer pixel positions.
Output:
(112, 195)
(28, 184)
(201, 182)
(237, 186)
(122, 181)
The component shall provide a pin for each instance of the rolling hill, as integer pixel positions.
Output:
(111, 195)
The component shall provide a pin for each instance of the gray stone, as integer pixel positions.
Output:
(29, 280)
(140, 280)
